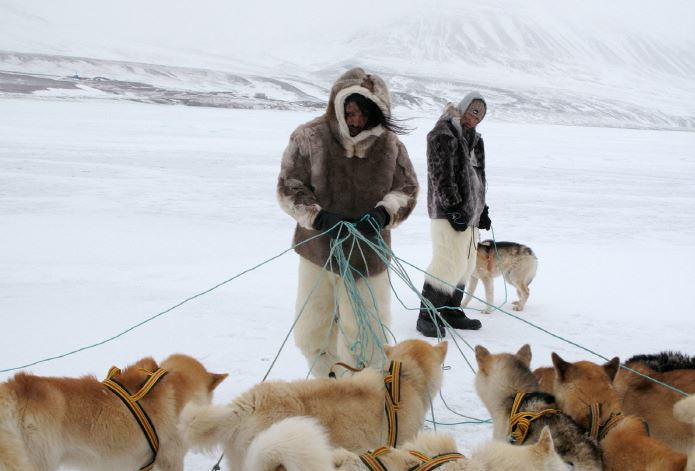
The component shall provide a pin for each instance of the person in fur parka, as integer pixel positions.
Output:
(347, 165)
(456, 206)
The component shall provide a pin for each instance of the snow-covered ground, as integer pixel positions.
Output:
(113, 212)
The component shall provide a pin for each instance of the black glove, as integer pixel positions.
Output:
(456, 220)
(326, 220)
(373, 221)
(484, 222)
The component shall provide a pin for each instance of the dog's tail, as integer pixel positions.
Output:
(205, 427)
(13, 450)
(293, 444)
(684, 410)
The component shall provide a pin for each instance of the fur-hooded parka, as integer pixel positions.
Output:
(455, 166)
(323, 167)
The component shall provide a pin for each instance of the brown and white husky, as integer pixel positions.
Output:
(48, 422)
(351, 408)
(516, 262)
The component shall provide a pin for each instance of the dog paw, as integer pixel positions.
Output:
(486, 311)
(516, 307)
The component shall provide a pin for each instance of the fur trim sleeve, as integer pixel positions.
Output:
(441, 150)
(294, 191)
(400, 200)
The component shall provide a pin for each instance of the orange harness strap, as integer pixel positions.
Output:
(132, 403)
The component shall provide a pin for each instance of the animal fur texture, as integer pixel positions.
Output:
(516, 262)
(578, 385)
(625, 447)
(500, 376)
(654, 402)
(351, 408)
(628, 447)
(303, 444)
(48, 422)
(684, 410)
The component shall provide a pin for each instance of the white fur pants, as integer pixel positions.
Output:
(327, 328)
(453, 255)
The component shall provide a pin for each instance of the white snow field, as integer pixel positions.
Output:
(113, 212)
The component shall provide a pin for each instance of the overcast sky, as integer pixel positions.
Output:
(236, 26)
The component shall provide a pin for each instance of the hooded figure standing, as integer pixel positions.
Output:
(456, 206)
(347, 165)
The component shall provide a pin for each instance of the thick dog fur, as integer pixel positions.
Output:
(628, 447)
(302, 444)
(654, 402)
(500, 376)
(684, 410)
(351, 408)
(46, 422)
(578, 385)
(500, 456)
(516, 262)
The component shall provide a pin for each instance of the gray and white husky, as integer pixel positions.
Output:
(516, 262)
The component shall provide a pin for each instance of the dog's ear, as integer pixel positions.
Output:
(545, 443)
(215, 380)
(561, 366)
(482, 355)
(442, 347)
(612, 367)
(524, 354)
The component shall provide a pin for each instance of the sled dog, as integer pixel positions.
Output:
(654, 402)
(351, 408)
(48, 422)
(302, 444)
(516, 262)
(584, 391)
(579, 385)
(684, 410)
(498, 380)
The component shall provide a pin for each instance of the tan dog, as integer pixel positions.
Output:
(516, 262)
(302, 444)
(628, 447)
(684, 410)
(625, 446)
(578, 385)
(654, 402)
(47, 422)
(351, 408)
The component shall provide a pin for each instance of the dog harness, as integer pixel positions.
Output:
(132, 401)
(598, 430)
(429, 463)
(372, 462)
(520, 422)
(392, 382)
(371, 459)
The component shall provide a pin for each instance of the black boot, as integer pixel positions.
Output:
(425, 325)
(455, 316)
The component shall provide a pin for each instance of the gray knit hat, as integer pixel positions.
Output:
(474, 103)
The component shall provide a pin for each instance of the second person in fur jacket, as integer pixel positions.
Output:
(456, 206)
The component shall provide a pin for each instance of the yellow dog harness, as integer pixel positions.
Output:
(372, 462)
(519, 422)
(392, 382)
(132, 402)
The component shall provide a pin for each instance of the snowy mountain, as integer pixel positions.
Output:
(533, 64)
